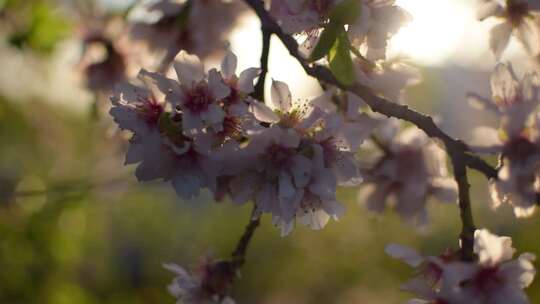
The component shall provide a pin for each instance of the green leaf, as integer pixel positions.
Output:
(345, 12)
(339, 59)
(326, 41)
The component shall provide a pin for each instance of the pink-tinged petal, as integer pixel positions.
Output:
(346, 170)
(520, 272)
(286, 227)
(176, 269)
(266, 198)
(481, 103)
(488, 9)
(301, 170)
(504, 84)
(404, 253)
(333, 208)
(315, 220)
(216, 85)
(191, 123)
(289, 138)
(281, 96)
(527, 33)
(228, 65)
(189, 69)
(492, 249)
(323, 185)
(499, 36)
(203, 143)
(360, 28)
(186, 186)
(530, 91)
(286, 188)
(245, 80)
(262, 112)
(213, 115)
(324, 102)
(354, 133)
(129, 93)
(158, 84)
(242, 188)
(374, 197)
(374, 54)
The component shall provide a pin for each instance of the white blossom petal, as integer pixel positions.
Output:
(281, 96)
(228, 65)
(189, 69)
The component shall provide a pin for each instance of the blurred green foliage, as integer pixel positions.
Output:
(34, 24)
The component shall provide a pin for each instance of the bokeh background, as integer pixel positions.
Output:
(76, 227)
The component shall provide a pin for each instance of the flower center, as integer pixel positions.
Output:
(487, 280)
(519, 149)
(410, 163)
(150, 110)
(517, 11)
(198, 99)
(278, 156)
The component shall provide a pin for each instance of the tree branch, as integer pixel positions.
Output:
(376, 103)
(259, 86)
(239, 253)
(468, 228)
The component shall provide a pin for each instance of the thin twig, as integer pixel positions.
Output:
(265, 52)
(239, 253)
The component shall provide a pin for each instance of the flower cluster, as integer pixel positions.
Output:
(378, 21)
(495, 277)
(517, 141)
(204, 131)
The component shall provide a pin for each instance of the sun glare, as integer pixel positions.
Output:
(435, 32)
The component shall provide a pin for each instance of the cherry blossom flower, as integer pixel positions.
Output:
(379, 20)
(518, 143)
(411, 169)
(197, 95)
(238, 120)
(208, 285)
(493, 278)
(517, 18)
(158, 145)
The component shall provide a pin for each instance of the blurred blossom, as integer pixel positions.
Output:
(199, 27)
(104, 54)
(518, 18)
(493, 278)
(411, 170)
(209, 284)
(514, 102)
